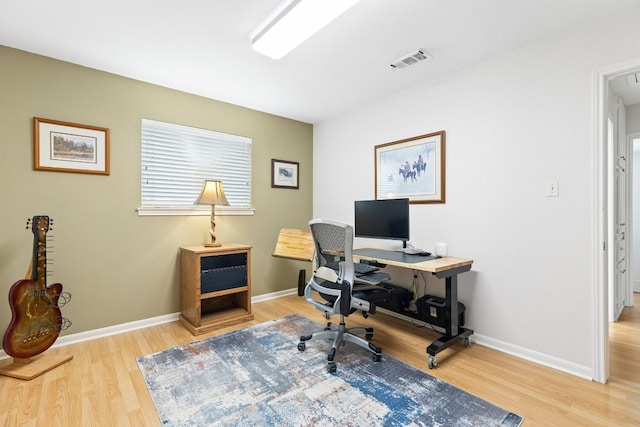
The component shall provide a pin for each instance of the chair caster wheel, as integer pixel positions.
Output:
(369, 337)
(432, 362)
(376, 357)
(302, 346)
(467, 342)
(332, 367)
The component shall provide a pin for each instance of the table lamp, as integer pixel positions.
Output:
(212, 194)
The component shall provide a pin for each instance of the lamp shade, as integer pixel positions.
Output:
(212, 193)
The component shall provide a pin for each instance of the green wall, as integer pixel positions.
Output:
(118, 266)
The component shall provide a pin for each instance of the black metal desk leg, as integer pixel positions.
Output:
(453, 330)
(302, 281)
(451, 305)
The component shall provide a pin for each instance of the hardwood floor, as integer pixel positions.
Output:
(102, 385)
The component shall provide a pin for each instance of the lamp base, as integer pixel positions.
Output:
(212, 245)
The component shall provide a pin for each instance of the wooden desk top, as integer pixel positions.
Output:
(208, 249)
(432, 266)
(295, 244)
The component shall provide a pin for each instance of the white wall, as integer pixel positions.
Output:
(512, 123)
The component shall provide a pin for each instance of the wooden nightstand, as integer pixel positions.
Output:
(215, 286)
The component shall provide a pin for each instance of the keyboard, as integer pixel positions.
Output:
(413, 251)
(359, 268)
(375, 278)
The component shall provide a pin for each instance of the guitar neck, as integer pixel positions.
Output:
(39, 267)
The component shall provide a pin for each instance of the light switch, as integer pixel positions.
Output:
(552, 188)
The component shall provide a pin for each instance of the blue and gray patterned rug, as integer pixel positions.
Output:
(257, 377)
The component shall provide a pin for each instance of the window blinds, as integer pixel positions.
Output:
(176, 160)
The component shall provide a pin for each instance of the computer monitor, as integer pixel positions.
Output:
(382, 219)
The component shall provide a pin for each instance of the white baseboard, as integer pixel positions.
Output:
(273, 295)
(523, 353)
(108, 331)
(138, 324)
(536, 357)
(514, 350)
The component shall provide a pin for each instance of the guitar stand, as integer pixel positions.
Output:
(29, 368)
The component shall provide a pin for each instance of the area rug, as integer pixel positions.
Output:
(257, 377)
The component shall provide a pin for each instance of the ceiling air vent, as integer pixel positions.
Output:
(410, 59)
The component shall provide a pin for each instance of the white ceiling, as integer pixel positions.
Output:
(203, 46)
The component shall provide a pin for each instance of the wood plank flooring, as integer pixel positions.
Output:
(102, 385)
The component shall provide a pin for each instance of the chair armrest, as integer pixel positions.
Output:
(327, 274)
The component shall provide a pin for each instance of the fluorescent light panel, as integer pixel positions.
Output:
(298, 20)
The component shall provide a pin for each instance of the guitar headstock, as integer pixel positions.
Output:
(40, 224)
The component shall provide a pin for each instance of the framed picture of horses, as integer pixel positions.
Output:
(412, 168)
(70, 147)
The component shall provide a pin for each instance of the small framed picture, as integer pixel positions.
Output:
(70, 147)
(284, 174)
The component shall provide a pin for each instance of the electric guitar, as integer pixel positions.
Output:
(36, 319)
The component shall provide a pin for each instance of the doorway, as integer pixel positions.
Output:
(607, 219)
(634, 266)
(619, 208)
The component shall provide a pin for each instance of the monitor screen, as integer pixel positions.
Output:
(382, 219)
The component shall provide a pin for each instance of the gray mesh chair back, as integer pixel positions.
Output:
(331, 289)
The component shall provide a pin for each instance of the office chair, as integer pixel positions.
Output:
(333, 279)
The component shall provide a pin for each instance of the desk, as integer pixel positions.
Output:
(296, 244)
(446, 268)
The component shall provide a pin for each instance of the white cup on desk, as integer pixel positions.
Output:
(441, 249)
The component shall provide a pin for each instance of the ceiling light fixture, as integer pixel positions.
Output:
(294, 23)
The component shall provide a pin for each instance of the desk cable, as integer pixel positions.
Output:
(415, 285)
(414, 288)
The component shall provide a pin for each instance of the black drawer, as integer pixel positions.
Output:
(222, 272)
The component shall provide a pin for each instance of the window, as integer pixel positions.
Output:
(177, 159)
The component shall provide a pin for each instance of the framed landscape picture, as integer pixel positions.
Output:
(412, 168)
(70, 147)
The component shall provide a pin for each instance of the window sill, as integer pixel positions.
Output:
(195, 211)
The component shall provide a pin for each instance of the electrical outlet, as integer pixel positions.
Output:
(552, 188)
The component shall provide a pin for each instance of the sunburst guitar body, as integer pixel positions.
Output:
(36, 319)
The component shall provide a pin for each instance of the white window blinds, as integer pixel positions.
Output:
(177, 159)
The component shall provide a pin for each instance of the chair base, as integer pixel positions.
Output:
(340, 334)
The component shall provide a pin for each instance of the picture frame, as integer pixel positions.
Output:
(284, 174)
(412, 168)
(70, 147)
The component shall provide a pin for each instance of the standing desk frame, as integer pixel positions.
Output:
(446, 268)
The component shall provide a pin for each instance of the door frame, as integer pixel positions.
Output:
(601, 244)
(633, 167)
